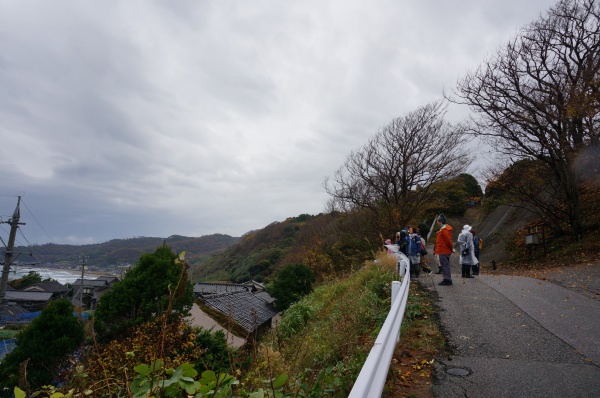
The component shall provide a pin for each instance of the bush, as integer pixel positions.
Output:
(45, 344)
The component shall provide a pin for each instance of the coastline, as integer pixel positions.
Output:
(62, 275)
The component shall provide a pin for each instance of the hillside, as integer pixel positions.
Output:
(122, 251)
(494, 228)
(258, 254)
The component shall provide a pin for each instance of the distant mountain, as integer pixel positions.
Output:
(121, 251)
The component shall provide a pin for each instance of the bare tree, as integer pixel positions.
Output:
(392, 173)
(539, 97)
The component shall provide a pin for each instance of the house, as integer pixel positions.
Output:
(57, 289)
(247, 309)
(248, 304)
(87, 292)
(208, 288)
(31, 301)
(111, 279)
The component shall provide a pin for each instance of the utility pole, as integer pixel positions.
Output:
(14, 225)
(83, 261)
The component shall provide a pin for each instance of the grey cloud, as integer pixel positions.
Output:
(158, 118)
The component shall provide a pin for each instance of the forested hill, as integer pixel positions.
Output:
(122, 251)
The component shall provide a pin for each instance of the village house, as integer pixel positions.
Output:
(31, 301)
(247, 304)
(87, 292)
(57, 289)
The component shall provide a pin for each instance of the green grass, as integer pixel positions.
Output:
(8, 334)
(323, 340)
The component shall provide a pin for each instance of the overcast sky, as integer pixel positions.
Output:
(156, 118)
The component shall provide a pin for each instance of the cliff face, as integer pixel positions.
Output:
(493, 229)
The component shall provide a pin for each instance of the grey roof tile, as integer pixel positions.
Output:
(266, 297)
(28, 296)
(204, 288)
(248, 310)
(47, 286)
(91, 282)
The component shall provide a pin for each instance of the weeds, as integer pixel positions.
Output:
(322, 341)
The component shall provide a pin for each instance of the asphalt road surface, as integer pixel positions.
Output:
(513, 336)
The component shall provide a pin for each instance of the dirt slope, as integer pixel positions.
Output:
(493, 229)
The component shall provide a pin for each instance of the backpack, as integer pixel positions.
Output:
(402, 246)
(480, 244)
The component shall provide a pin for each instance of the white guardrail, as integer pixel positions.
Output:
(371, 378)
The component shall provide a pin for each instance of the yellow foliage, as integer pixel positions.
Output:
(169, 340)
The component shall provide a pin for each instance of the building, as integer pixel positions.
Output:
(87, 292)
(33, 301)
(57, 289)
(247, 304)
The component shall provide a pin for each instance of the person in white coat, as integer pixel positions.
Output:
(467, 251)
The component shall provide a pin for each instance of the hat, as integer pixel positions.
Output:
(442, 218)
(467, 227)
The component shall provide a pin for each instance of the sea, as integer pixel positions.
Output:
(63, 276)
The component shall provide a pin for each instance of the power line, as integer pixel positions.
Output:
(37, 222)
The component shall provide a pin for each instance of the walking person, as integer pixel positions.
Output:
(477, 243)
(444, 249)
(424, 261)
(413, 252)
(467, 251)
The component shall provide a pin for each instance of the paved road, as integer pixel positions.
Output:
(515, 336)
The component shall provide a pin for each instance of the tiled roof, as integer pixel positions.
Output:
(47, 286)
(13, 309)
(91, 282)
(264, 296)
(254, 284)
(248, 310)
(108, 278)
(206, 288)
(27, 296)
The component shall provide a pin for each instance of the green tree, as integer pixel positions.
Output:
(217, 355)
(144, 293)
(471, 186)
(291, 283)
(29, 279)
(49, 339)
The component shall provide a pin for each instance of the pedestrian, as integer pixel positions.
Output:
(388, 242)
(467, 251)
(413, 252)
(477, 243)
(402, 242)
(444, 248)
(424, 261)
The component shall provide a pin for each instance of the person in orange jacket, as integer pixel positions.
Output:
(444, 248)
